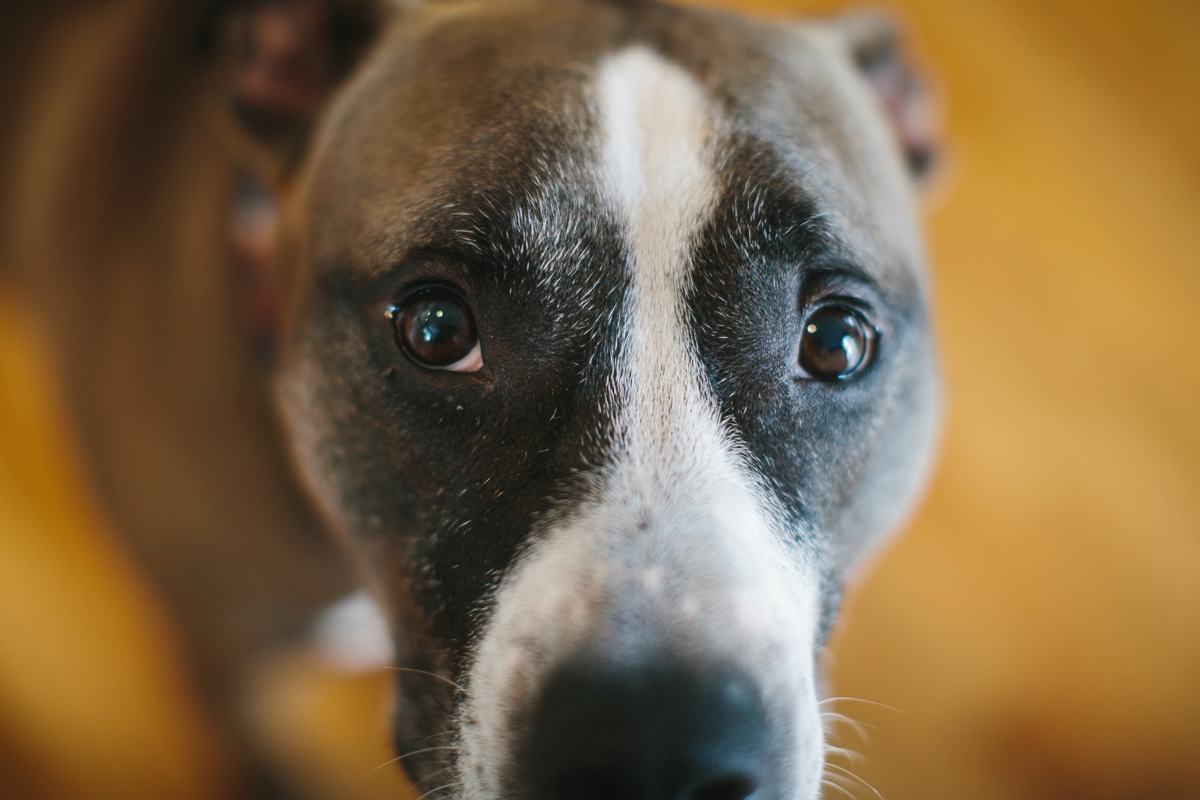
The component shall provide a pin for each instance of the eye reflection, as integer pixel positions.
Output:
(436, 329)
(836, 343)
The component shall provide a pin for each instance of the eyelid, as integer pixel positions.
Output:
(471, 362)
(837, 299)
(413, 289)
(843, 286)
(841, 273)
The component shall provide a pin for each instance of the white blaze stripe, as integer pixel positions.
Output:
(680, 550)
(657, 125)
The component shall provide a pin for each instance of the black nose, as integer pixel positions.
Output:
(647, 734)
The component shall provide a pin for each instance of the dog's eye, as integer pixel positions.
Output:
(837, 342)
(436, 329)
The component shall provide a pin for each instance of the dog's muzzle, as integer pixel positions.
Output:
(688, 679)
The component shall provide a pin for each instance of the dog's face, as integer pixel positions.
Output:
(611, 352)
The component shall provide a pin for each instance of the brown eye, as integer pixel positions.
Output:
(437, 330)
(836, 343)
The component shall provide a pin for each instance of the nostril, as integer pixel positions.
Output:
(647, 733)
(600, 787)
(581, 786)
(592, 785)
(730, 787)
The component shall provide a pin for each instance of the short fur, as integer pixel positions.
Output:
(639, 203)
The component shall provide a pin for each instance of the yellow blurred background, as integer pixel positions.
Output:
(1034, 633)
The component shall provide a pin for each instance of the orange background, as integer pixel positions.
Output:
(1035, 633)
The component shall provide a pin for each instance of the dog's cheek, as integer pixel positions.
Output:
(887, 459)
(334, 424)
(331, 419)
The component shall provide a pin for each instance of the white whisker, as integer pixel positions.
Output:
(860, 700)
(438, 789)
(851, 775)
(432, 775)
(839, 787)
(858, 727)
(442, 678)
(416, 753)
(845, 752)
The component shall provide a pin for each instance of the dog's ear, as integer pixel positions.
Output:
(277, 62)
(876, 49)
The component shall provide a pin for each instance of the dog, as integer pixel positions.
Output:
(605, 354)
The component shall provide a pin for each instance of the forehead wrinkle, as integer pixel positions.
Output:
(778, 212)
(401, 158)
(542, 224)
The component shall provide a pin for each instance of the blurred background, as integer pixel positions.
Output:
(1033, 633)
